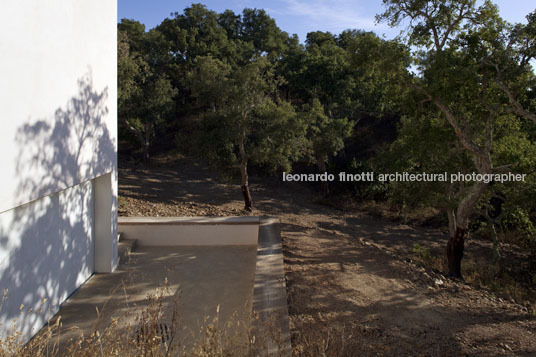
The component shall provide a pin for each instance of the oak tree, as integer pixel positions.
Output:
(457, 47)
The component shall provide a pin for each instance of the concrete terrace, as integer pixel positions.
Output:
(206, 281)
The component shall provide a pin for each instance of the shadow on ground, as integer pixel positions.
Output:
(350, 289)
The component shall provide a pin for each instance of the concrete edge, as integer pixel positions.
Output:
(270, 308)
(190, 231)
(234, 220)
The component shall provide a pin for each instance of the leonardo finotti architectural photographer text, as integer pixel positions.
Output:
(405, 177)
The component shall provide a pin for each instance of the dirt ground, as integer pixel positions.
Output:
(352, 286)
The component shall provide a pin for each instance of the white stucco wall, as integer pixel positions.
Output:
(47, 47)
(58, 70)
(48, 254)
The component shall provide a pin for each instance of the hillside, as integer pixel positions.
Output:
(355, 283)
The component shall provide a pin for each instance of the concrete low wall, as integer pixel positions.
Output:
(190, 231)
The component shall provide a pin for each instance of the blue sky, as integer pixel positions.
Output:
(300, 16)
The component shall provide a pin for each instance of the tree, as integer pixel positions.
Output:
(261, 31)
(145, 95)
(511, 59)
(321, 83)
(246, 121)
(231, 38)
(456, 44)
(337, 81)
(325, 134)
(324, 73)
(193, 33)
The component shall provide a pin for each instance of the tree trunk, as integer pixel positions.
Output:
(455, 248)
(495, 238)
(146, 148)
(483, 164)
(247, 198)
(244, 185)
(146, 154)
(458, 225)
(324, 187)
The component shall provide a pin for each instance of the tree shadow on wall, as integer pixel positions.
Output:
(47, 241)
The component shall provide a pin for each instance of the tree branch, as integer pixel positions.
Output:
(135, 131)
(516, 106)
(464, 139)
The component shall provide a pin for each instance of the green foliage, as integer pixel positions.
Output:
(326, 135)
(364, 190)
(145, 94)
(193, 33)
(277, 136)
(518, 221)
(422, 252)
(208, 81)
(331, 82)
(132, 31)
(243, 112)
(438, 153)
(217, 140)
(459, 45)
(237, 89)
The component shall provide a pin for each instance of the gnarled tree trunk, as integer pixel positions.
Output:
(458, 224)
(455, 247)
(244, 184)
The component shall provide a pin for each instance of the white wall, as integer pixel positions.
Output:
(58, 134)
(49, 252)
(56, 54)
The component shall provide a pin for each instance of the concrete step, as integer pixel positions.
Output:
(125, 247)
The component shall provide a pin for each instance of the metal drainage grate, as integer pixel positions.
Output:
(146, 332)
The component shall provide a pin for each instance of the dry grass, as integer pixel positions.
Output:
(496, 277)
(421, 216)
(329, 341)
(136, 334)
(151, 331)
(501, 281)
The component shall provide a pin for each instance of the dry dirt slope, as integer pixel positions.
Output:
(350, 289)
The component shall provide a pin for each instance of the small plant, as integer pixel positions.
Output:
(422, 252)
